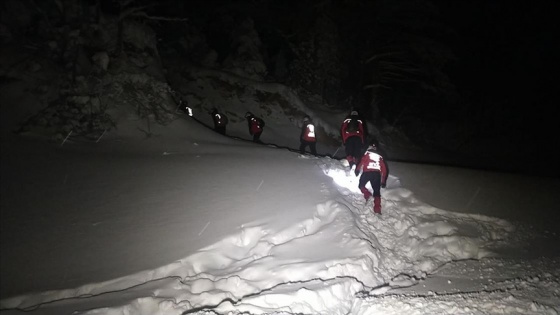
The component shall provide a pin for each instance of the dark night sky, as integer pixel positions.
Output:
(506, 50)
(507, 65)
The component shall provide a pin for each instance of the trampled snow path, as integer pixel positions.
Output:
(355, 257)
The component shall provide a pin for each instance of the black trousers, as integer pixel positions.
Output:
(257, 137)
(220, 129)
(312, 147)
(375, 180)
(354, 148)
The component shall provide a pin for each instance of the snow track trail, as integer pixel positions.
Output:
(342, 259)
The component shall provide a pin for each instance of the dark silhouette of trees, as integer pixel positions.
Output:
(402, 55)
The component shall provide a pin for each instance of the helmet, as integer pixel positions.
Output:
(306, 118)
(248, 114)
(353, 113)
(372, 147)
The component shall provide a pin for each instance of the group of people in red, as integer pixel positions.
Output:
(371, 163)
(256, 128)
(255, 124)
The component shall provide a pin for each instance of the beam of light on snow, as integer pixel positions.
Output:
(344, 179)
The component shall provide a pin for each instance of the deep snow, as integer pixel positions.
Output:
(189, 221)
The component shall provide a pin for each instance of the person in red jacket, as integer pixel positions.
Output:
(375, 172)
(352, 131)
(307, 137)
(256, 126)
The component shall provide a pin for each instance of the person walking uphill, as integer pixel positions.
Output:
(352, 131)
(220, 121)
(307, 137)
(256, 126)
(374, 172)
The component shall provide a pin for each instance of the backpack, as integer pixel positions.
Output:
(353, 125)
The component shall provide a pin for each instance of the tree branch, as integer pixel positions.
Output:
(160, 18)
(375, 86)
(133, 10)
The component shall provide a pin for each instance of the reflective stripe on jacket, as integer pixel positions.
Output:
(308, 132)
(220, 120)
(346, 134)
(373, 162)
(255, 126)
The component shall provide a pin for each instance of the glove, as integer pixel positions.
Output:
(383, 185)
(357, 172)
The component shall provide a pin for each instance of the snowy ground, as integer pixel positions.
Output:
(189, 221)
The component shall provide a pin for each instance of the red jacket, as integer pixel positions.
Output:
(347, 134)
(373, 162)
(256, 125)
(308, 132)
